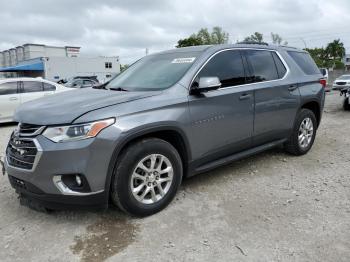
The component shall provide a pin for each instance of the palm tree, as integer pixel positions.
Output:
(335, 50)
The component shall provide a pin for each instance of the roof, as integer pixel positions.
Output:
(202, 48)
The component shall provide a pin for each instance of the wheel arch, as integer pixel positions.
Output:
(173, 135)
(315, 107)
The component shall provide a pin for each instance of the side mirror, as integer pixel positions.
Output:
(206, 84)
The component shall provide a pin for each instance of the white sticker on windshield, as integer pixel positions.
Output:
(183, 60)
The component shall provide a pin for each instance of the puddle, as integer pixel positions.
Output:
(105, 238)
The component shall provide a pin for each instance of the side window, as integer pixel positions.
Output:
(49, 87)
(8, 88)
(78, 83)
(88, 82)
(305, 62)
(32, 86)
(262, 65)
(227, 66)
(281, 69)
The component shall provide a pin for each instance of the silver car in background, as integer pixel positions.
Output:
(341, 82)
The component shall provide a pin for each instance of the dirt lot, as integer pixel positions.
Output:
(270, 207)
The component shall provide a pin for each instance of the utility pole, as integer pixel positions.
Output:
(302, 39)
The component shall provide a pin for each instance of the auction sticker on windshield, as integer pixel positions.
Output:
(183, 60)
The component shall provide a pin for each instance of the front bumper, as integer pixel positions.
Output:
(339, 87)
(90, 158)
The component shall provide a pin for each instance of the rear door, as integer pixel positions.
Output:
(276, 98)
(31, 90)
(222, 120)
(9, 100)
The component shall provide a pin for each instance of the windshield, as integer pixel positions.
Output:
(154, 72)
(345, 77)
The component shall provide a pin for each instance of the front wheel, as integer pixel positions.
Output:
(304, 133)
(147, 177)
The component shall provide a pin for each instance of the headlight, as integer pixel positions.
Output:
(77, 132)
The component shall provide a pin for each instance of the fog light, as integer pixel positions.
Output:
(78, 180)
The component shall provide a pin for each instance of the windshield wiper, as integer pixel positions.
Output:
(118, 89)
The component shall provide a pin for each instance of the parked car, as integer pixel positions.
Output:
(63, 81)
(169, 116)
(81, 83)
(346, 102)
(15, 91)
(324, 72)
(341, 82)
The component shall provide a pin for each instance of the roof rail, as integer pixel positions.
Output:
(252, 43)
(286, 46)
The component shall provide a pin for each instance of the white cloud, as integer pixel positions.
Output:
(126, 28)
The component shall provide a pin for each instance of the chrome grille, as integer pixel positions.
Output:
(341, 83)
(26, 130)
(22, 150)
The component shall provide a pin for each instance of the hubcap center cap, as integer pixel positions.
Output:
(152, 178)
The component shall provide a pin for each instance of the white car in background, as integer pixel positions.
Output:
(15, 91)
(341, 82)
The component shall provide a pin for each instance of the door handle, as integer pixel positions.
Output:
(245, 96)
(13, 98)
(292, 87)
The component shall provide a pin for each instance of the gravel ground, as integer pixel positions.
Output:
(270, 207)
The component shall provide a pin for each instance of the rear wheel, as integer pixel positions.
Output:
(147, 177)
(303, 134)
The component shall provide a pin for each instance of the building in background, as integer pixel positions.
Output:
(55, 63)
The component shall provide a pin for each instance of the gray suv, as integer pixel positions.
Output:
(169, 116)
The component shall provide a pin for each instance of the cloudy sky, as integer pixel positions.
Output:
(127, 28)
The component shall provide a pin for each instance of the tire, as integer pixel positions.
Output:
(346, 105)
(293, 145)
(128, 173)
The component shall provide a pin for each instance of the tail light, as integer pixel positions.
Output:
(323, 82)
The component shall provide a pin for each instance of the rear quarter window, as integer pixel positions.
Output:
(8, 88)
(305, 62)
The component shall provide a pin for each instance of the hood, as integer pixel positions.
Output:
(65, 107)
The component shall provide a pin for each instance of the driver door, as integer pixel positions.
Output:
(222, 120)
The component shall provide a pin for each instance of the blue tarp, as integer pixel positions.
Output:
(35, 66)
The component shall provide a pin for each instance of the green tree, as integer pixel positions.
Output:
(256, 38)
(277, 39)
(320, 56)
(331, 56)
(193, 40)
(218, 36)
(204, 37)
(335, 50)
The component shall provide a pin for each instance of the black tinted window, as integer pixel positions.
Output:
(305, 62)
(262, 65)
(281, 69)
(8, 88)
(49, 87)
(227, 66)
(88, 83)
(78, 83)
(32, 86)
